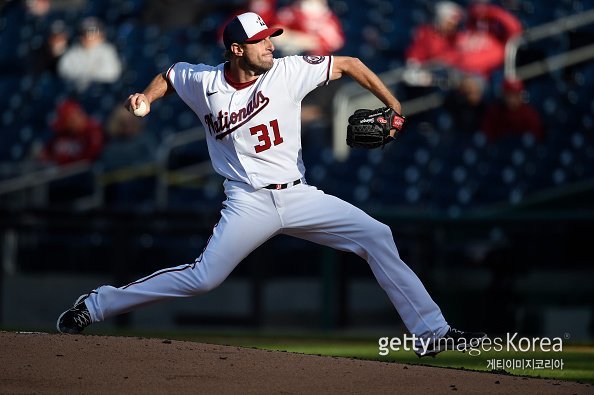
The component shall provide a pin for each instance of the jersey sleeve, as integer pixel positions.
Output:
(304, 73)
(187, 79)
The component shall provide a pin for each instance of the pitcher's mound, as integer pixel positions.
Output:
(53, 363)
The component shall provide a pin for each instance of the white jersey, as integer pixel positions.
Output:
(253, 132)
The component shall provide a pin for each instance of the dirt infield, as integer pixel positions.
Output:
(52, 363)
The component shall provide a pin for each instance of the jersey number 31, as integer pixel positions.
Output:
(264, 136)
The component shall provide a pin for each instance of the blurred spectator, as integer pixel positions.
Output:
(466, 104)
(77, 136)
(431, 58)
(436, 43)
(47, 56)
(38, 7)
(477, 49)
(310, 27)
(493, 19)
(265, 8)
(512, 115)
(127, 144)
(481, 46)
(41, 8)
(92, 59)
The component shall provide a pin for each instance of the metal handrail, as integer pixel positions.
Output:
(553, 63)
(40, 178)
(540, 32)
(164, 176)
(43, 176)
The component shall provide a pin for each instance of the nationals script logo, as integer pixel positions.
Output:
(225, 122)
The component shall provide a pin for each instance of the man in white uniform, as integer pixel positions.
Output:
(250, 107)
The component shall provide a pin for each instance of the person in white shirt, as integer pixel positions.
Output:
(91, 59)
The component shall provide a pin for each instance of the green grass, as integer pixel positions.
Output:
(578, 360)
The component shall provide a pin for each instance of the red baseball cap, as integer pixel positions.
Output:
(248, 27)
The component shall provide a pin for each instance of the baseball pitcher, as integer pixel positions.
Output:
(250, 106)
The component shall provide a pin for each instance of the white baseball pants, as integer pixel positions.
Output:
(248, 219)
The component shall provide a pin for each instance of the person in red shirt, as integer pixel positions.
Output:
(512, 116)
(265, 8)
(436, 43)
(479, 49)
(310, 27)
(481, 46)
(77, 137)
(493, 19)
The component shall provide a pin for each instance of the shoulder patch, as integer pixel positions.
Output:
(313, 59)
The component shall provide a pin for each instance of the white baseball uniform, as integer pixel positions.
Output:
(254, 140)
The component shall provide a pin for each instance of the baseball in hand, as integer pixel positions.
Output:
(141, 110)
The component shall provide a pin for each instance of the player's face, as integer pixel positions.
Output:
(258, 56)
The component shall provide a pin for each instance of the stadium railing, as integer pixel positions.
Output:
(166, 178)
(547, 30)
(38, 181)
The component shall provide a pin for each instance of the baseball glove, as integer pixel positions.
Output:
(371, 128)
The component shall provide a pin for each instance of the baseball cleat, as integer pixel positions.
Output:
(454, 339)
(76, 318)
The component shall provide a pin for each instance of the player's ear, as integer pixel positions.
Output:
(236, 49)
